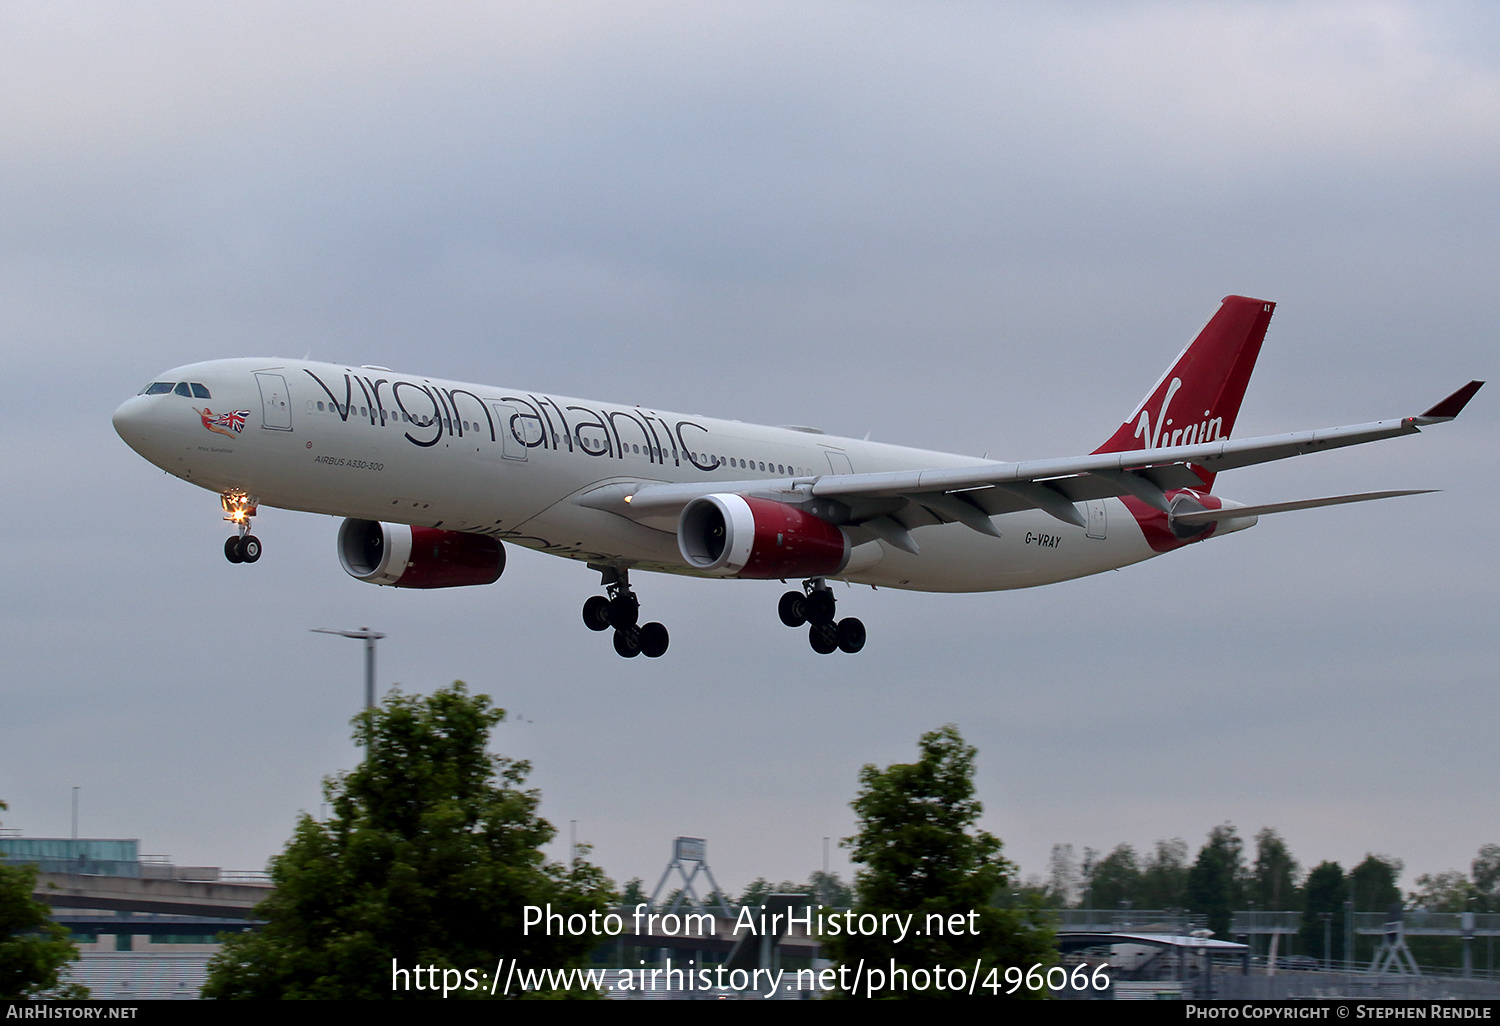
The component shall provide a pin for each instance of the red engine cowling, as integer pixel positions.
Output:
(418, 557)
(738, 536)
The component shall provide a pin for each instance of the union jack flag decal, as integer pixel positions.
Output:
(230, 424)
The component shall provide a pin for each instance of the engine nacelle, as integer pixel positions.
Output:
(738, 536)
(418, 557)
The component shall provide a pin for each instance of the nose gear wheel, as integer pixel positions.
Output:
(238, 509)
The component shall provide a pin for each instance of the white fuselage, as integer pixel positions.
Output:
(377, 445)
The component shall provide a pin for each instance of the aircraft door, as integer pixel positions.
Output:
(514, 430)
(839, 461)
(1097, 522)
(276, 411)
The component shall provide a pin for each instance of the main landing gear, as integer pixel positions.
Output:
(814, 605)
(238, 509)
(620, 609)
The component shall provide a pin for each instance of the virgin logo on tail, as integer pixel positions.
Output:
(1211, 373)
(1208, 430)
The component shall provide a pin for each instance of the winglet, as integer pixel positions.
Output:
(1450, 407)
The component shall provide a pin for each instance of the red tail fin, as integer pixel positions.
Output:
(1198, 398)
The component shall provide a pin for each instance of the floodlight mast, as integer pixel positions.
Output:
(369, 637)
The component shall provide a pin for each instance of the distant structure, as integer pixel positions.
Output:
(691, 851)
(145, 928)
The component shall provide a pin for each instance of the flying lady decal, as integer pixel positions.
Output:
(230, 424)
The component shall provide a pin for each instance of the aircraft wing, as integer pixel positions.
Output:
(891, 504)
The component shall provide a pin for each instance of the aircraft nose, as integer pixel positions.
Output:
(132, 420)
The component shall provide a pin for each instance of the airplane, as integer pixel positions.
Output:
(432, 476)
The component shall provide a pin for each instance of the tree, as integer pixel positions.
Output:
(1441, 892)
(1215, 883)
(634, 894)
(1273, 880)
(1373, 888)
(830, 890)
(1374, 883)
(921, 856)
(1116, 879)
(1064, 881)
(1485, 874)
(760, 889)
(33, 949)
(1324, 894)
(1164, 877)
(430, 854)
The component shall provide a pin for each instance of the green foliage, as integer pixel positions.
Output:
(430, 854)
(760, 889)
(1064, 880)
(921, 855)
(1324, 892)
(1374, 884)
(634, 894)
(1373, 887)
(1453, 891)
(823, 888)
(33, 949)
(1442, 892)
(1164, 877)
(1273, 881)
(679, 899)
(1215, 883)
(1485, 875)
(1116, 879)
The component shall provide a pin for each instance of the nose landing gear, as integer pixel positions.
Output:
(238, 509)
(620, 609)
(815, 606)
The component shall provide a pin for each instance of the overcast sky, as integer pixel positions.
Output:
(965, 226)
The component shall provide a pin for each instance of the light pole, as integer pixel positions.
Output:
(369, 637)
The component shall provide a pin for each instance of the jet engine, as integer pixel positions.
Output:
(418, 557)
(737, 536)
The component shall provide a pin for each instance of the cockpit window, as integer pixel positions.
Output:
(182, 388)
(200, 391)
(157, 388)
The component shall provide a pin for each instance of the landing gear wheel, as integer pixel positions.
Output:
(818, 607)
(624, 612)
(791, 609)
(653, 640)
(628, 642)
(249, 548)
(823, 638)
(850, 634)
(596, 613)
(232, 550)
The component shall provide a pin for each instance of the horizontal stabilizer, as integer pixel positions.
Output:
(1208, 516)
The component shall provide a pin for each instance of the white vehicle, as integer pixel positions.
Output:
(432, 475)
